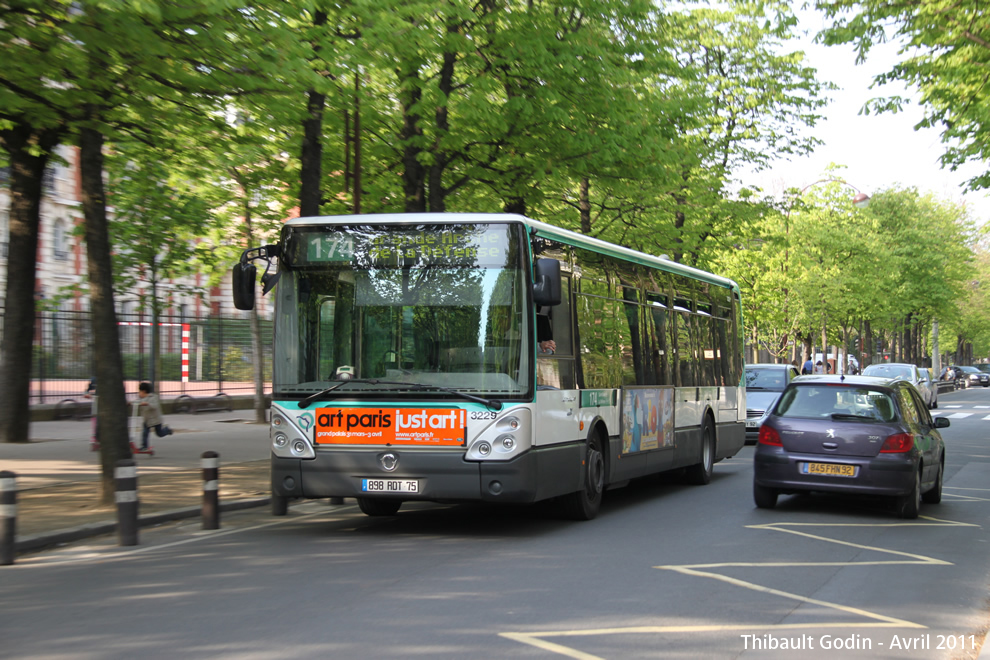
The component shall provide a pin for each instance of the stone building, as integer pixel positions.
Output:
(61, 257)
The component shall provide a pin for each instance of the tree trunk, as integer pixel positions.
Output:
(112, 412)
(441, 120)
(257, 351)
(26, 171)
(584, 205)
(156, 330)
(413, 173)
(515, 205)
(868, 347)
(357, 143)
(311, 155)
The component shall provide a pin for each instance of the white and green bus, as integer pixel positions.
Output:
(489, 357)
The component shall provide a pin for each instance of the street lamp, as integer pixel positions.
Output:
(860, 200)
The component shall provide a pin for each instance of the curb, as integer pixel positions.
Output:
(68, 535)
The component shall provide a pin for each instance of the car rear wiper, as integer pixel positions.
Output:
(492, 404)
(852, 416)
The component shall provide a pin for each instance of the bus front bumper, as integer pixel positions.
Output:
(344, 473)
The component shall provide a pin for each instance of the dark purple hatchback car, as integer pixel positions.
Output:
(851, 434)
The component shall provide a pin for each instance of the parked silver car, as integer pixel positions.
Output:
(909, 373)
(764, 385)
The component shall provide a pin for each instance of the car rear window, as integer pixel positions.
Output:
(766, 379)
(838, 402)
(887, 371)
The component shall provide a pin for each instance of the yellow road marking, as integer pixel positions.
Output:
(874, 620)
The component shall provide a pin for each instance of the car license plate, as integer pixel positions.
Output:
(390, 485)
(829, 469)
(752, 423)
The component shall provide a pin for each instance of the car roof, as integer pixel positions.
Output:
(871, 381)
(771, 365)
(893, 364)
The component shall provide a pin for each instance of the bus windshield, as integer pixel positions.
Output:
(433, 305)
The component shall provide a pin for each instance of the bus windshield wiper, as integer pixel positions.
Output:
(492, 404)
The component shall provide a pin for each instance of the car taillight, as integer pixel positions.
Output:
(897, 443)
(769, 436)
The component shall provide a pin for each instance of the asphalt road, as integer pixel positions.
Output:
(666, 571)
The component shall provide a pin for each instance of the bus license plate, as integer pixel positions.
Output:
(389, 486)
(829, 469)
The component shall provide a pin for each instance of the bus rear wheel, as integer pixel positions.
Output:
(701, 473)
(585, 503)
(378, 506)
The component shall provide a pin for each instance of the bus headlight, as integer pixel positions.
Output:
(288, 440)
(506, 438)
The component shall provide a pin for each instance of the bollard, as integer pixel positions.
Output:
(211, 490)
(125, 475)
(8, 517)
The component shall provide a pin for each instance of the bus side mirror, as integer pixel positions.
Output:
(546, 283)
(243, 280)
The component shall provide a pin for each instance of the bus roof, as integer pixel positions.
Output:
(541, 229)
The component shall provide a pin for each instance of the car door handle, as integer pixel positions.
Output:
(830, 445)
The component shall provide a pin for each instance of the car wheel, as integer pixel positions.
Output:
(585, 503)
(934, 496)
(765, 498)
(701, 473)
(909, 505)
(378, 506)
(935, 403)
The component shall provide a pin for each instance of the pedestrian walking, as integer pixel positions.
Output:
(809, 367)
(818, 368)
(151, 412)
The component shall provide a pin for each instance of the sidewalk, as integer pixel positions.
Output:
(58, 475)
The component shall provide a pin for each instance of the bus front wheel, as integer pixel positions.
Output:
(585, 503)
(377, 506)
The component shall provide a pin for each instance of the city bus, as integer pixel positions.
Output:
(491, 358)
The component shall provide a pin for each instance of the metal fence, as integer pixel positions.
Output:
(198, 357)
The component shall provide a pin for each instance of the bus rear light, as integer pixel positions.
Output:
(280, 440)
(299, 447)
(769, 436)
(508, 442)
(484, 449)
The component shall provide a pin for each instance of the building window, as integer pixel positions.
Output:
(59, 247)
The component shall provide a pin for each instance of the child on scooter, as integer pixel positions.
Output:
(151, 412)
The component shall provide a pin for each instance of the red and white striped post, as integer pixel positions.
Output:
(185, 352)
